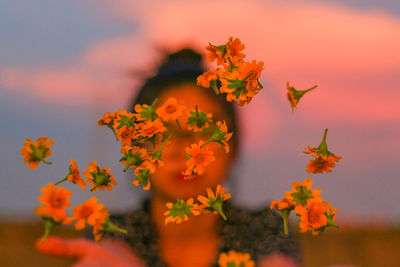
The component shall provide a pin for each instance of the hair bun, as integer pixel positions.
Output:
(185, 60)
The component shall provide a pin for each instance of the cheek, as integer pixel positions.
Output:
(218, 169)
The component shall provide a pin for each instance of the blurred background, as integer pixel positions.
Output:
(65, 63)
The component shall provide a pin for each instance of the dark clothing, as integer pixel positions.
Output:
(259, 233)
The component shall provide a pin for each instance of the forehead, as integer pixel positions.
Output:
(191, 95)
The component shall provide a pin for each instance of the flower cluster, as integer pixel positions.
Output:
(200, 156)
(315, 214)
(323, 160)
(294, 95)
(95, 215)
(149, 127)
(236, 78)
(53, 212)
(180, 210)
(144, 133)
(235, 259)
(55, 200)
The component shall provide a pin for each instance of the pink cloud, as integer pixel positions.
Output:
(305, 43)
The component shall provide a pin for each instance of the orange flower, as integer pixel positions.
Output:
(104, 225)
(302, 192)
(199, 158)
(74, 176)
(313, 217)
(124, 118)
(282, 205)
(36, 152)
(149, 129)
(206, 78)
(233, 48)
(213, 202)
(216, 53)
(133, 156)
(229, 52)
(220, 135)
(125, 134)
(108, 119)
(89, 211)
(198, 120)
(100, 177)
(242, 84)
(143, 175)
(310, 150)
(146, 112)
(324, 159)
(170, 110)
(55, 200)
(294, 95)
(179, 211)
(321, 164)
(235, 259)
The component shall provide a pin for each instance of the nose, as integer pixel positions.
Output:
(178, 144)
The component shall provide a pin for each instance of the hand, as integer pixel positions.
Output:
(107, 252)
(277, 260)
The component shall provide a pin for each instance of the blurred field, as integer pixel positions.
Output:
(358, 247)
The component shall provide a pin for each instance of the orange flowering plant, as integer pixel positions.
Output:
(237, 78)
(99, 177)
(198, 121)
(53, 211)
(180, 210)
(73, 175)
(145, 132)
(235, 259)
(323, 160)
(294, 95)
(36, 152)
(315, 214)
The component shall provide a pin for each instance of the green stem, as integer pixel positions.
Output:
(285, 225)
(232, 66)
(94, 188)
(177, 123)
(113, 228)
(154, 103)
(46, 162)
(312, 88)
(218, 208)
(214, 86)
(324, 138)
(62, 180)
(250, 74)
(49, 224)
(197, 110)
(207, 142)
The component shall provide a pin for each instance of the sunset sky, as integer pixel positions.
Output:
(65, 63)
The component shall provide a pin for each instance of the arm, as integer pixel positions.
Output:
(107, 252)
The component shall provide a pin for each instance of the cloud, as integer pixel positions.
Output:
(348, 53)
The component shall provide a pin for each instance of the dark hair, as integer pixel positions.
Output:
(184, 66)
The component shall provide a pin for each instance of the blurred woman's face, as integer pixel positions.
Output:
(168, 182)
